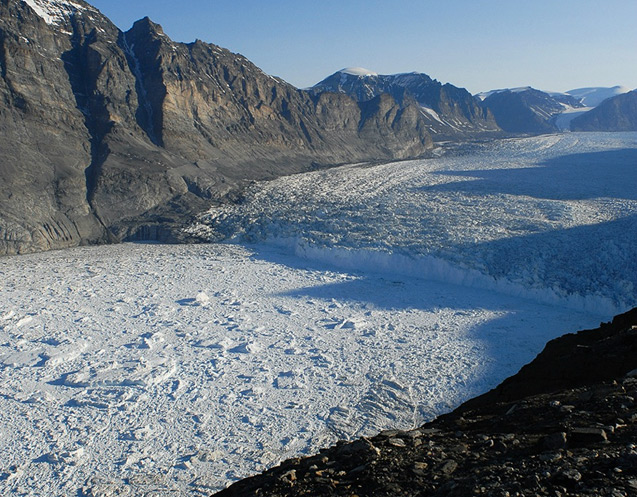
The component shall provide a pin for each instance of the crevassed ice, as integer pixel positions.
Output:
(549, 218)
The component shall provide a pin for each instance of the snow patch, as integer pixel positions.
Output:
(432, 113)
(55, 12)
(485, 94)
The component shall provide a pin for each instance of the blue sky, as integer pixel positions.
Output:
(480, 45)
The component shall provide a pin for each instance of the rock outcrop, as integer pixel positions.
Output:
(566, 424)
(450, 112)
(107, 135)
(617, 113)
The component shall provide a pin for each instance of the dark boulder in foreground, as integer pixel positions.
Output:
(566, 424)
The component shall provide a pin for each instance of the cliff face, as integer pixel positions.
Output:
(108, 135)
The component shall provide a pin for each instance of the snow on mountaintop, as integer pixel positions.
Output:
(589, 97)
(592, 97)
(358, 71)
(486, 94)
(55, 11)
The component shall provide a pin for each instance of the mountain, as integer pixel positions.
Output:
(527, 110)
(448, 110)
(618, 113)
(564, 425)
(109, 135)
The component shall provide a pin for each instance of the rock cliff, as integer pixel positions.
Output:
(108, 135)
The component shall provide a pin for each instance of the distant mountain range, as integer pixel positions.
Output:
(453, 113)
(527, 110)
(618, 113)
(109, 135)
(450, 112)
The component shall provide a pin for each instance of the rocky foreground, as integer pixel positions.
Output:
(566, 424)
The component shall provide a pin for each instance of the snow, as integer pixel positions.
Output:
(432, 113)
(592, 97)
(54, 12)
(370, 298)
(485, 94)
(358, 71)
(563, 120)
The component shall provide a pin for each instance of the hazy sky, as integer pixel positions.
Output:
(480, 45)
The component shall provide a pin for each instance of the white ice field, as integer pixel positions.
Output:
(353, 300)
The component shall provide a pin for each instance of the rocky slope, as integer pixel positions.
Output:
(450, 112)
(618, 113)
(527, 110)
(107, 135)
(566, 424)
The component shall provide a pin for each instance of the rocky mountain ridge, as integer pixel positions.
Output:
(529, 111)
(451, 112)
(565, 425)
(108, 135)
(618, 113)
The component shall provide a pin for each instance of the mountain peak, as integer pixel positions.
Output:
(148, 25)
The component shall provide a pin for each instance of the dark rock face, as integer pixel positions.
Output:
(109, 135)
(527, 110)
(564, 425)
(573, 360)
(613, 114)
(450, 112)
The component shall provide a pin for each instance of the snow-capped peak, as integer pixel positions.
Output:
(358, 71)
(55, 11)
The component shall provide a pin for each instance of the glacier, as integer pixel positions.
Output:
(550, 218)
(340, 303)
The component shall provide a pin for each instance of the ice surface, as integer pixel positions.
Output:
(551, 218)
(563, 120)
(174, 370)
